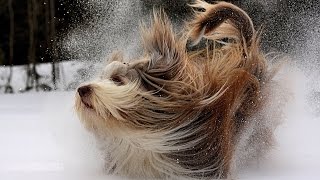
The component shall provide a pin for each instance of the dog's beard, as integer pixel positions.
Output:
(104, 107)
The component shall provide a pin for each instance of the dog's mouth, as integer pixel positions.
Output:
(86, 104)
(84, 93)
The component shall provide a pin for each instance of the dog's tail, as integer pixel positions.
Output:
(221, 20)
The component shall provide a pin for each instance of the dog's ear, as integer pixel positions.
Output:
(221, 20)
(164, 50)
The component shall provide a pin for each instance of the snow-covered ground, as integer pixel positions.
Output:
(41, 138)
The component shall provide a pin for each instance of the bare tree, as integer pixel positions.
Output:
(47, 21)
(32, 75)
(55, 68)
(8, 88)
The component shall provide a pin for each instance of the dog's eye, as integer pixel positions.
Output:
(117, 80)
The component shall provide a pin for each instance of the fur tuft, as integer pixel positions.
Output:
(223, 19)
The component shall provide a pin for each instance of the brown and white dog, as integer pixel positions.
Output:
(175, 113)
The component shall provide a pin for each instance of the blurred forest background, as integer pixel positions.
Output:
(31, 30)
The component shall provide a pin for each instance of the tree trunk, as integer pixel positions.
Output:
(32, 75)
(29, 83)
(8, 88)
(47, 22)
(35, 13)
(55, 68)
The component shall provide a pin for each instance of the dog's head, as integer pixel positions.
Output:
(135, 95)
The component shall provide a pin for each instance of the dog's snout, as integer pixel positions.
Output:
(84, 91)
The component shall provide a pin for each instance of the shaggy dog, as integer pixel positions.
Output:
(180, 113)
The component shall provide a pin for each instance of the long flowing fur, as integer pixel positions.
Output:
(176, 114)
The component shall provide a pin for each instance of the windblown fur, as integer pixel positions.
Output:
(175, 113)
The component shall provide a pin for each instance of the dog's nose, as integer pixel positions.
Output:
(84, 90)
